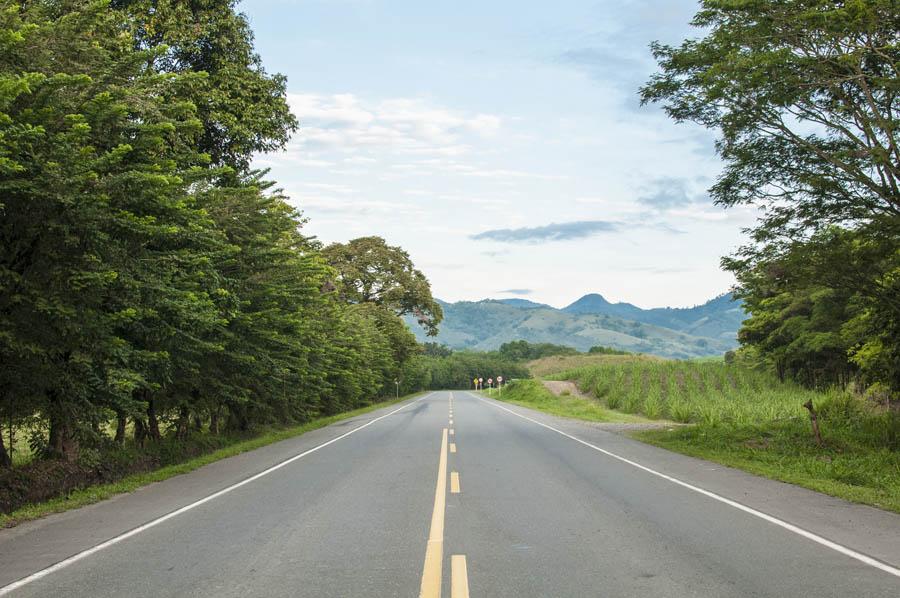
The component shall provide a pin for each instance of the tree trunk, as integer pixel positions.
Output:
(237, 420)
(62, 442)
(181, 428)
(121, 423)
(5, 460)
(214, 422)
(140, 432)
(152, 421)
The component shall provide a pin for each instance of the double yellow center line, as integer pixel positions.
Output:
(434, 550)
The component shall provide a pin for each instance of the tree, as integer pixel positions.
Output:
(433, 349)
(147, 274)
(242, 108)
(603, 350)
(371, 271)
(99, 154)
(821, 311)
(804, 94)
(523, 350)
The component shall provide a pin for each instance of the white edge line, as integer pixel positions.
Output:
(141, 528)
(872, 562)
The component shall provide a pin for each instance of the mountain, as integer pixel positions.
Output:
(597, 304)
(708, 329)
(718, 318)
(523, 303)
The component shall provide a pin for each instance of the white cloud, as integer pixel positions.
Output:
(345, 122)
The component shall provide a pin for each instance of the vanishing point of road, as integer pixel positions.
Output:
(459, 495)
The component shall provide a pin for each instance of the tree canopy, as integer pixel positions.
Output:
(804, 94)
(151, 282)
(371, 271)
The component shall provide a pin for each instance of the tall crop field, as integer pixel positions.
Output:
(691, 391)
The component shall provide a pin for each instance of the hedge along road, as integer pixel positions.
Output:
(500, 502)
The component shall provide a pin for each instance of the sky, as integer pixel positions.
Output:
(502, 144)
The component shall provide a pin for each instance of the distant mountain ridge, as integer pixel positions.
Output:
(720, 317)
(708, 329)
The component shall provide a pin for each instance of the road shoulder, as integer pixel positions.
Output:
(865, 529)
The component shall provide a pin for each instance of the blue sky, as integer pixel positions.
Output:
(500, 143)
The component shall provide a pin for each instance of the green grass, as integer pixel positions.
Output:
(750, 420)
(532, 394)
(92, 494)
(706, 392)
(854, 471)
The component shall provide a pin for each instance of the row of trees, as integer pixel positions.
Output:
(805, 94)
(150, 280)
(459, 369)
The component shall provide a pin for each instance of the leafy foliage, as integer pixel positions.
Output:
(371, 271)
(601, 350)
(523, 350)
(150, 282)
(804, 94)
(462, 367)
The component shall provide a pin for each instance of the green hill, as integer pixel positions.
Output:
(718, 318)
(485, 325)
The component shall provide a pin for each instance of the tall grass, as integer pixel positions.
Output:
(705, 392)
(749, 419)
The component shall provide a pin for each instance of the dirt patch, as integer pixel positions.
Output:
(566, 387)
(559, 387)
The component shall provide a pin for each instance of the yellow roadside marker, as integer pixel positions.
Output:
(454, 482)
(459, 577)
(452, 447)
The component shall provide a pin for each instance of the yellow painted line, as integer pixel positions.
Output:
(452, 447)
(452, 432)
(434, 550)
(454, 482)
(459, 577)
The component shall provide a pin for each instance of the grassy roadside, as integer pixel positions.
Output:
(748, 420)
(92, 494)
(846, 469)
(532, 394)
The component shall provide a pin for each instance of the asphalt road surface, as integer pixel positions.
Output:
(455, 494)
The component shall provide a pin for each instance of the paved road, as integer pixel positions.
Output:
(501, 502)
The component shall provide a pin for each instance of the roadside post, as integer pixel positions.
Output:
(499, 385)
(481, 384)
(397, 382)
(490, 385)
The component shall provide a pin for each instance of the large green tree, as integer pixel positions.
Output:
(804, 94)
(371, 271)
(99, 155)
(149, 276)
(242, 108)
